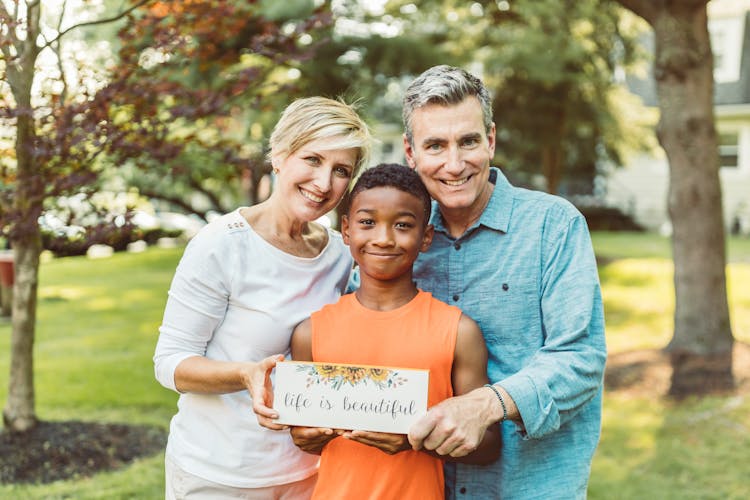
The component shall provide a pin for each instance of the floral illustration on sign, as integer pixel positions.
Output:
(336, 376)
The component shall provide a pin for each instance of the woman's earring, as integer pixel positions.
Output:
(275, 170)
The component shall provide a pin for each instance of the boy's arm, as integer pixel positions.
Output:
(309, 439)
(302, 341)
(470, 372)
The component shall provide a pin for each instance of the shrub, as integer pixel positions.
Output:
(105, 233)
(602, 218)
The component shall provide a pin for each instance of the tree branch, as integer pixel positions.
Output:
(212, 198)
(60, 19)
(30, 51)
(177, 201)
(4, 14)
(58, 51)
(647, 9)
(650, 9)
(106, 20)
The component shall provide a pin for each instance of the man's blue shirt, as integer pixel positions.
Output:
(526, 273)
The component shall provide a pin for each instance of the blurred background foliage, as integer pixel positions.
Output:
(190, 90)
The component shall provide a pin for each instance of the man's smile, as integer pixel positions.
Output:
(457, 182)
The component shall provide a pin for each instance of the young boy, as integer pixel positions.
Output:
(389, 322)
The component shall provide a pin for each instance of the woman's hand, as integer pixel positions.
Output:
(388, 443)
(257, 379)
(313, 439)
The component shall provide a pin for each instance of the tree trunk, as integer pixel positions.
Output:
(254, 182)
(552, 166)
(701, 349)
(553, 155)
(19, 414)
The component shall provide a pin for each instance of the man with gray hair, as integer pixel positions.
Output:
(520, 263)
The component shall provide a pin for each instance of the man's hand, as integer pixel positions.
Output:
(386, 442)
(257, 379)
(312, 439)
(457, 425)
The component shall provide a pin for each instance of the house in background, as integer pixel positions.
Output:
(640, 187)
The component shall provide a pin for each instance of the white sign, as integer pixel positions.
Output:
(369, 398)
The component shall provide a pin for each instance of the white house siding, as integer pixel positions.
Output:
(641, 186)
(735, 182)
(640, 189)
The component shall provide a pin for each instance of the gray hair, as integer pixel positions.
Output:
(444, 85)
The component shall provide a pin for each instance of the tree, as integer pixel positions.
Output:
(555, 89)
(65, 136)
(701, 348)
(221, 81)
(48, 160)
(551, 66)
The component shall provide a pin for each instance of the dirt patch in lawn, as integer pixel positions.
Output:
(53, 451)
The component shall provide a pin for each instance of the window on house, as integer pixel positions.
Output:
(729, 149)
(718, 47)
(726, 44)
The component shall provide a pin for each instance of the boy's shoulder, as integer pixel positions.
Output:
(343, 302)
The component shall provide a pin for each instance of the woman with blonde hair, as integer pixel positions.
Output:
(244, 282)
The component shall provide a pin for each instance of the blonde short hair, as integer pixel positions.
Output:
(314, 118)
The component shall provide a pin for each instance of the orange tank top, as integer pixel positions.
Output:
(420, 334)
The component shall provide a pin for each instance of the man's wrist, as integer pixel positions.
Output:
(500, 405)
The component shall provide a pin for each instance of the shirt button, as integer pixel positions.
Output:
(455, 298)
(457, 246)
(462, 490)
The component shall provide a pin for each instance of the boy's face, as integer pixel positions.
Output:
(385, 231)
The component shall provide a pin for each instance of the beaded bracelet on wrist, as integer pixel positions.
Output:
(500, 398)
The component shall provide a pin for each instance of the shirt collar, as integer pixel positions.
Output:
(496, 214)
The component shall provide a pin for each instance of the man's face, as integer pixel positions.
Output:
(452, 153)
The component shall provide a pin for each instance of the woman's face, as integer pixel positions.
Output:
(313, 179)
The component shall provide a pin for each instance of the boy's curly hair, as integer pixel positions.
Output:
(396, 176)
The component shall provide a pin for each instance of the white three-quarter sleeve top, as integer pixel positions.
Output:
(235, 297)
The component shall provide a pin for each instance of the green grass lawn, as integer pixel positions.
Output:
(658, 449)
(97, 327)
(637, 284)
(96, 331)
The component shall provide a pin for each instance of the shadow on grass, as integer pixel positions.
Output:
(653, 446)
(53, 298)
(647, 372)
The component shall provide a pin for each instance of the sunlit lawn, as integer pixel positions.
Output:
(96, 333)
(637, 280)
(98, 323)
(657, 449)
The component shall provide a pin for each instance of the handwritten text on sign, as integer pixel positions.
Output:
(349, 397)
